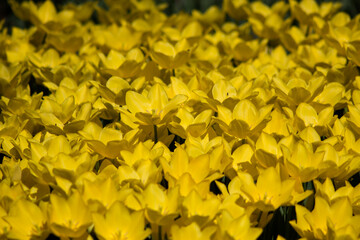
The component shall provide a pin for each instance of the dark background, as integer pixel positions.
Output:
(352, 7)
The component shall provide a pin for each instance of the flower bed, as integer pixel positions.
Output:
(126, 123)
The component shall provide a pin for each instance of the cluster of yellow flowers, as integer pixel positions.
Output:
(179, 127)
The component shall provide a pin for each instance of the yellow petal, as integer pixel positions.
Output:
(137, 102)
(307, 114)
(46, 12)
(245, 110)
(199, 167)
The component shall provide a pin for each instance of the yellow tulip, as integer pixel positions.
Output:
(292, 38)
(313, 55)
(114, 92)
(333, 93)
(169, 56)
(307, 9)
(236, 8)
(143, 173)
(269, 192)
(327, 221)
(307, 116)
(196, 209)
(58, 118)
(141, 165)
(120, 223)
(116, 64)
(8, 77)
(106, 142)
(190, 125)
(191, 32)
(122, 38)
(222, 91)
(4, 226)
(83, 11)
(192, 231)
(142, 151)
(244, 161)
(301, 161)
(12, 169)
(243, 50)
(189, 173)
(45, 15)
(68, 217)
(217, 148)
(100, 194)
(212, 15)
(48, 59)
(265, 21)
(297, 90)
(9, 194)
(236, 228)
(155, 108)
(279, 125)
(12, 50)
(27, 221)
(161, 207)
(327, 191)
(267, 150)
(244, 120)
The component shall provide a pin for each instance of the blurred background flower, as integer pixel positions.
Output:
(352, 7)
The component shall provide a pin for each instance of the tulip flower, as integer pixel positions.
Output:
(236, 228)
(190, 125)
(8, 77)
(100, 194)
(244, 161)
(244, 120)
(155, 108)
(279, 125)
(266, 21)
(13, 55)
(161, 207)
(191, 32)
(335, 220)
(122, 38)
(301, 161)
(236, 8)
(199, 210)
(107, 142)
(267, 150)
(306, 9)
(169, 56)
(192, 231)
(327, 191)
(212, 15)
(115, 64)
(269, 192)
(4, 226)
(120, 223)
(68, 217)
(27, 221)
(296, 91)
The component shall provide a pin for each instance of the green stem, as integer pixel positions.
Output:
(97, 166)
(155, 134)
(160, 235)
(156, 232)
